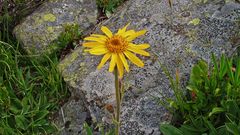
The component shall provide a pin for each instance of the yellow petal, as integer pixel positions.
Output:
(136, 34)
(124, 61)
(120, 67)
(106, 31)
(104, 60)
(138, 51)
(92, 44)
(86, 50)
(139, 46)
(127, 33)
(120, 31)
(134, 59)
(100, 40)
(98, 50)
(98, 35)
(113, 62)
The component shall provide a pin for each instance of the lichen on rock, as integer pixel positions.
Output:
(49, 17)
(174, 42)
(47, 22)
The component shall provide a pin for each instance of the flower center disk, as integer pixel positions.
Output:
(116, 44)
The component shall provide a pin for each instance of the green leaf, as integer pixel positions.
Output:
(168, 129)
(88, 129)
(217, 92)
(223, 67)
(50, 129)
(21, 121)
(190, 130)
(41, 114)
(232, 109)
(232, 128)
(16, 106)
(39, 123)
(173, 104)
(108, 14)
(210, 126)
(216, 110)
(195, 21)
(222, 130)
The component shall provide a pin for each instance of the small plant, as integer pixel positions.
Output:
(117, 48)
(109, 6)
(211, 104)
(87, 130)
(68, 37)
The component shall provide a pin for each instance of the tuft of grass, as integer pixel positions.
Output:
(31, 91)
(109, 6)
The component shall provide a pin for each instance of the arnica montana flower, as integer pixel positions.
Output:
(117, 47)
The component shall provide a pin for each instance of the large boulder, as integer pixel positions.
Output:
(179, 37)
(42, 27)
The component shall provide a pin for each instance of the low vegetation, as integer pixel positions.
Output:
(108, 6)
(210, 103)
(31, 91)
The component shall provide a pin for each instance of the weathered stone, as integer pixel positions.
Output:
(71, 117)
(174, 42)
(43, 26)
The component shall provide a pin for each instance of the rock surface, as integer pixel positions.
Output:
(175, 42)
(43, 26)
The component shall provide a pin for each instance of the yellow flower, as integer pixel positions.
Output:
(118, 47)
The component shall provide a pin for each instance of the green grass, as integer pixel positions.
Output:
(30, 91)
(12, 11)
(109, 6)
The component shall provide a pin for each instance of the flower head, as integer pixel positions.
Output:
(117, 47)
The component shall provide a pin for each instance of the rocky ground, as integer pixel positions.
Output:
(179, 37)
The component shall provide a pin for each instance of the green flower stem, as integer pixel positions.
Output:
(118, 101)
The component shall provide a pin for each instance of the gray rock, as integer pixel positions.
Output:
(71, 117)
(43, 26)
(175, 42)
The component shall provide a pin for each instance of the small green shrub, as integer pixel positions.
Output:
(69, 36)
(109, 6)
(211, 104)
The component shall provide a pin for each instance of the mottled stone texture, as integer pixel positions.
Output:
(38, 30)
(174, 42)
